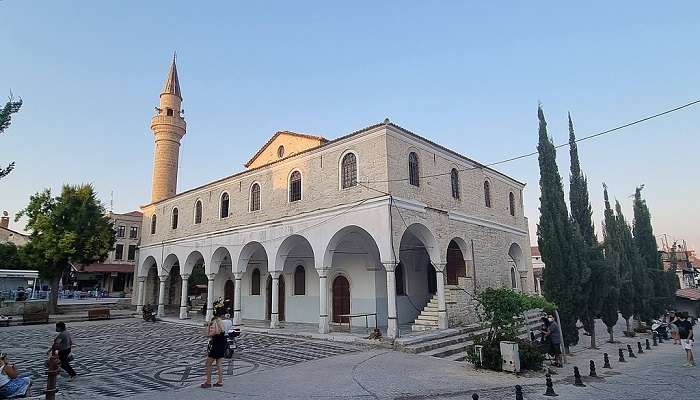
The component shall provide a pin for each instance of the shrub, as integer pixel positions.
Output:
(491, 353)
(629, 333)
(530, 356)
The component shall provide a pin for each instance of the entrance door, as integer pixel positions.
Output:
(432, 279)
(229, 292)
(268, 294)
(280, 299)
(341, 299)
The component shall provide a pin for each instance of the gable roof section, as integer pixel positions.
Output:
(280, 133)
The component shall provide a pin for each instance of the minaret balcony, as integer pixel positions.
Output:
(172, 120)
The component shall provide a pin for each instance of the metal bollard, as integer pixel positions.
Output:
(577, 378)
(630, 352)
(661, 340)
(518, 392)
(622, 356)
(639, 348)
(653, 338)
(550, 387)
(606, 361)
(646, 344)
(52, 372)
(592, 372)
(475, 396)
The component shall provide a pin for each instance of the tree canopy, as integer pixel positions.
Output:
(6, 112)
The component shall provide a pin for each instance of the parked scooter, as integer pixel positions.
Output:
(231, 342)
(148, 314)
(660, 329)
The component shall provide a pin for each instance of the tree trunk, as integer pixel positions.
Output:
(610, 331)
(53, 297)
(592, 332)
(627, 323)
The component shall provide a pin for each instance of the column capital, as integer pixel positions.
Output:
(185, 276)
(323, 273)
(275, 274)
(211, 277)
(142, 279)
(439, 266)
(163, 278)
(389, 266)
(238, 275)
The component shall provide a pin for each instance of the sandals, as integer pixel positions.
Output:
(219, 384)
(208, 385)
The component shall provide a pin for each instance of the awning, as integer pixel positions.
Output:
(689, 293)
(124, 268)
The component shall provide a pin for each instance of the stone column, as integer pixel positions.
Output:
(323, 326)
(442, 307)
(274, 312)
(141, 294)
(237, 317)
(392, 330)
(183, 297)
(210, 297)
(161, 295)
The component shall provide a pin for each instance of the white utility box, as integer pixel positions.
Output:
(510, 355)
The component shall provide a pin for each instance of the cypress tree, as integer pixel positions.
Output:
(591, 254)
(640, 280)
(662, 288)
(554, 237)
(609, 310)
(627, 299)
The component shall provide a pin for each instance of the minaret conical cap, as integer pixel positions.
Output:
(172, 84)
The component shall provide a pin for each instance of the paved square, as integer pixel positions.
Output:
(128, 357)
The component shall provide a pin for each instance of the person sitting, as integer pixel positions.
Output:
(12, 385)
(228, 324)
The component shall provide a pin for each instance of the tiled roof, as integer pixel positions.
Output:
(321, 139)
(689, 293)
(126, 268)
(535, 251)
(134, 214)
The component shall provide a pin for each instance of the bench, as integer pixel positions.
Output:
(5, 322)
(351, 316)
(98, 313)
(37, 317)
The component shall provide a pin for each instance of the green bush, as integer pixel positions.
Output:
(491, 353)
(641, 329)
(530, 356)
(629, 333)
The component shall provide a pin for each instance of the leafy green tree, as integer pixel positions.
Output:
(501, 309)
(11, 257)
(611, 245)
(68, 230)
(663, 289)
(640, 279)
(592, 282)
(555, 237)
(628, 298)
(10, 108)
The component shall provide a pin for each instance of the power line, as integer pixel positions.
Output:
(507, 160)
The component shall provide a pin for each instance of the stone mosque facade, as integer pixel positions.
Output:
(380, 224)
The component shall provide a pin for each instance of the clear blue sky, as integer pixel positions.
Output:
(467, 75)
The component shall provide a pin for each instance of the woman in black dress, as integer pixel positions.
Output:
(216, 351)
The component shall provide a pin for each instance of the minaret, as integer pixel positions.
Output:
(169, 127)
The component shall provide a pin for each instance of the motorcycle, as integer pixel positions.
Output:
(660, 329)
(148, 314)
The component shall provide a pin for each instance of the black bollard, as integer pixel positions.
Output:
(646, 344)
(630, 352)
(661, 339)
(622, 356)
(475, 396)
(653, 338)
(550, 387)
(577, 378)
(606, 361)
(518, 392)
(592, 372)
(639, 348)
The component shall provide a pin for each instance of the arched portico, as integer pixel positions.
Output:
(353, 274)
(458, 261)
(515, 266)
(165, 291)
(249, 272)
(294, 251)
(148, 283)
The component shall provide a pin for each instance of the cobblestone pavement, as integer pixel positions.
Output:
(116, 359)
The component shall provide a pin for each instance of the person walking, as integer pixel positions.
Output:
(216, 351)
(673, 327)
(63, 344)
(555, 340)
(685, 333)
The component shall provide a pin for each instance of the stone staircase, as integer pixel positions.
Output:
(450, 344)
(428, 318)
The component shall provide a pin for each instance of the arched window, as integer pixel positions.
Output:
(348, 171)
(295, 186)
(413, 173)
(454, 180)
(511, 203)
(255, 197)
(174, 218)
(513, 278)
(487, 193)
(255, 282)
(224, 205)
(299, 281)
(400, 281)
(280, 151)
(153, 224)
(198, 212)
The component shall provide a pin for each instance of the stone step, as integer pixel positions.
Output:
(428, 317)
(440, 341)
(425, 322)
(458, 349)
(421, 328)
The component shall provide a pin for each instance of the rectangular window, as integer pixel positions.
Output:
(131, 255)
(119, 252)
(121, 231)
(133, 232)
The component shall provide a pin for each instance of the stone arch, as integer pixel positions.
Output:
(288, 247)
(221, 258)
(152, 284)
(169, 261)
(516, 264)
(251, 252)
(426, 238)
(361, 235)
(146, 265)
(419, 254)
(457, 261)
(194, 259)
